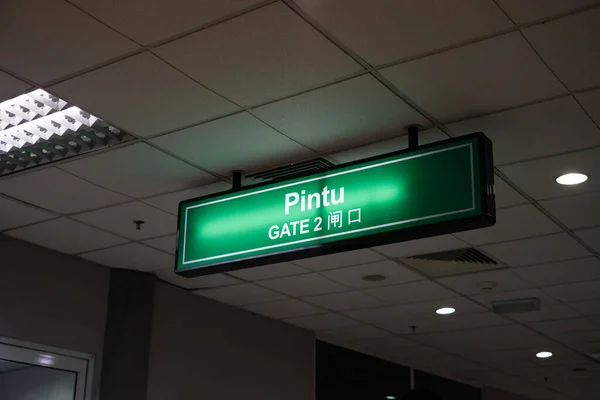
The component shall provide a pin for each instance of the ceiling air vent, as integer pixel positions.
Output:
(451, 262)
(290, 171)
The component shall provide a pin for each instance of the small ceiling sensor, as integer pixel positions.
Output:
(487, 286)
(445, 311)
(544, 354)
(374, 278)
(573, 178)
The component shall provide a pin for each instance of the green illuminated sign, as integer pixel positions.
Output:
(435, 189)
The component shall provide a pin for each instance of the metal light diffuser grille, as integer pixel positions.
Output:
(37, 128)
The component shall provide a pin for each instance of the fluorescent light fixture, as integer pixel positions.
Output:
(38, 127)
(390, 397)
(544, 354)
(445, 311)
(573, 178)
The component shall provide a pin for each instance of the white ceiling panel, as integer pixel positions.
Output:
(578, 211)
(148, 21)
(477, 79)
(538, 178)
(201, 282)
(322, 322)
(512, 223)
(591, 102)
(411, 292)
(506, 196)
(470, 284)
(488, 298)
(11, 87)
(303, 285)
(427, 309)
(572, 292)
(14, 214)
(241, 295)
(170, 202)
(337, 260)
(168, 244)
(66, 236)
(393, 272)
(380, 314)
(132, 256)
(344, 301)
(269, 271)
(289, 308)
(422, 246)
(137, 171)
(543, 249)
(379, 33)
(143, 95)
(119, 219)
(251, 145)
(569, 47)
(562, 326)
(542, 126)
(523, 12)
(546, 313)
(588, 307)
(583, 269)
(445, 323)
(591, 237)
(260, 56)
(341, 116)
(59, 191)
(74, 40)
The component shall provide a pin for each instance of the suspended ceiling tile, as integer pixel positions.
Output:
(512, 223)
(240, 295)
(587, 307)
(506, 196)
(341, 116)
(354, 333)
(11, 87)
(168, 244)
(170, 202)
(131, 256)
(537, 250)
(289, 308)
(569, 46)
(422, 246)
(344, 301)
(448, 323)
(58, 191)
(260, 56)
(14, 214)
(577, 211)
(462, 305)
(523, 12)
(303, 285)
(344, 259)
(470, 284)
(534, 131)
(120, 220)
(411, 292)
(66, 236)
(322, 322)
(538, 178)
(381, 314)
(546, 313)
(591, 237)
(393, 30)
(137, 171)
(269, 271)
(201, 282)
(143, 95)
(476, 79)
(583, 269)
(58, 39)
(353, 277)
(250, 145)
(591, 102)
(148, 21)
(488, 298)
(562, 325)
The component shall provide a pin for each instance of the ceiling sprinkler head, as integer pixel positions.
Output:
(138, 224)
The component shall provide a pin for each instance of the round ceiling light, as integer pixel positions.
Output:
(390, 397)
(573, 178)
(544, 354)
(445, 311)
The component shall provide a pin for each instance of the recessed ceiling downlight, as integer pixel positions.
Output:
(544, 354)
(573, 178)
(445, 311)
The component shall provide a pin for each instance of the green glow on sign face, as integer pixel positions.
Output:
(391, 193)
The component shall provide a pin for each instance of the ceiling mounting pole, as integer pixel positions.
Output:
(413, 136)
(236, 182)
